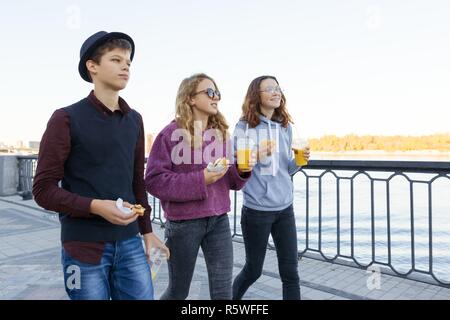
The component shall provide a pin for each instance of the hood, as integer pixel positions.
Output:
(267, 121)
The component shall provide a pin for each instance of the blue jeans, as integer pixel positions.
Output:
(123, 274)
(256, 228)
(184, 240)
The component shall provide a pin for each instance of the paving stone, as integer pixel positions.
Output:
(32, 270)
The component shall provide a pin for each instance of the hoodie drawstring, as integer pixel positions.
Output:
(274, 153)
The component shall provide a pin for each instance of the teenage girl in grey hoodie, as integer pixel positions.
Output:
(268, 195)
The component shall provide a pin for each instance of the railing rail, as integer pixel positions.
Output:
(337, 235)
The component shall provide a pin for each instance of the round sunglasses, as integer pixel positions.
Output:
(210, 92)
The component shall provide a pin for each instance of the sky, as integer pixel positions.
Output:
(351, 66)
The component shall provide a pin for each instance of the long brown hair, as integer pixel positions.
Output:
(184, 115)
(251, 108)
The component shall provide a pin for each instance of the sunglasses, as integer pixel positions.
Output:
(210, 92)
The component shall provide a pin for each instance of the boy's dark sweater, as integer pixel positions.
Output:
(97, 154)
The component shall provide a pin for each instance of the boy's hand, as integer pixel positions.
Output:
(211, 177)
(108, 210)
(152, 241)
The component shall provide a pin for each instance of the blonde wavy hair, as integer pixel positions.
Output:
(184, 115)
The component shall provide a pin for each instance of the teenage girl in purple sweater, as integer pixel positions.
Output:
(195, 200)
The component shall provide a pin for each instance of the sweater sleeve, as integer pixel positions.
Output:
(53, 153)
(162, 182)
(237, 181)
(145, 225)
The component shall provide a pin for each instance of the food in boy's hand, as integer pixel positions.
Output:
(119, 205)
(134, 209)
(138, 209)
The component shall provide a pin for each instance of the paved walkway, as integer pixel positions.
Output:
(30, 267)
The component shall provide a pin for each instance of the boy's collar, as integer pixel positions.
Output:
(123, 105)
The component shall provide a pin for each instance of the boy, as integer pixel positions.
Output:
(95, 147)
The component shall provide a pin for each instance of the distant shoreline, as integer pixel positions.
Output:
(424, 155)
(382, 152)
(421, 155)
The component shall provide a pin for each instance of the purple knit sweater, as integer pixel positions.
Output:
(181, 187)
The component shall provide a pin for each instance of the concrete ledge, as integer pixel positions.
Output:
(9, 175)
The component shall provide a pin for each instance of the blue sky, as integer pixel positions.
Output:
(350, 66)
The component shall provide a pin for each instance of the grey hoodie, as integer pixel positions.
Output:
(270, 187)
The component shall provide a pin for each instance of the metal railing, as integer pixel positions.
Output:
(336, 235)
(394, 227)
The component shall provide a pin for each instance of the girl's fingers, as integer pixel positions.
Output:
(220, 173)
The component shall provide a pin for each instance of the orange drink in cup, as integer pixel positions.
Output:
(299, 146)
(244, 152)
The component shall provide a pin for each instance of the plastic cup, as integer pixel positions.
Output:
(156, 260)
(244, 152)
(299, 146)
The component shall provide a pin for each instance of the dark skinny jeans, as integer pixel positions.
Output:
(256, 228)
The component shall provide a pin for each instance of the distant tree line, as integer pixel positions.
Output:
(352, 142)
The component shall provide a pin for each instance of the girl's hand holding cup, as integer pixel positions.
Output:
(249, 162)
(301, 151)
